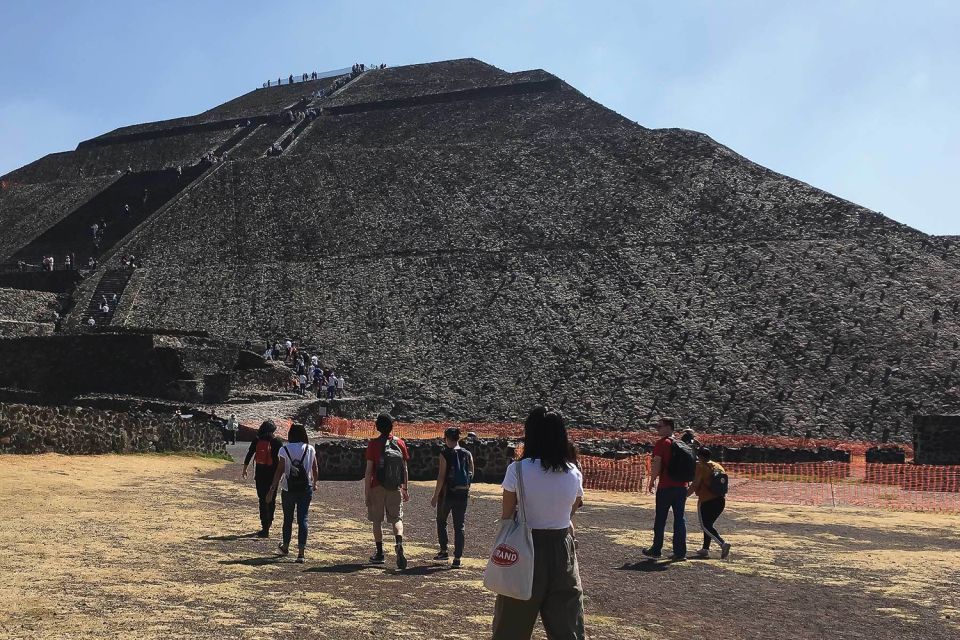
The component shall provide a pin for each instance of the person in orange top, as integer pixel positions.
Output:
(709, 504)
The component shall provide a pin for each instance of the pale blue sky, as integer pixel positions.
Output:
(860, 98)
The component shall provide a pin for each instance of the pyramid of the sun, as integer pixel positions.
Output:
(466, 242)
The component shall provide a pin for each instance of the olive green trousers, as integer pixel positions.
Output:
(557, 594)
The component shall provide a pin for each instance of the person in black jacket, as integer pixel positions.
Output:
(266, 447)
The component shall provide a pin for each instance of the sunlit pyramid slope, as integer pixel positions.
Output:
(465, 242)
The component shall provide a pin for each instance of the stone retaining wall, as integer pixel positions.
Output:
(80, 430)
(936, 439)
(344, 459)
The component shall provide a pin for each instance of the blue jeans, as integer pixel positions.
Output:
(671, 498)
(301, 503)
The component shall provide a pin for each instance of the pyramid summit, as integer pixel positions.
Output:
(464, 242)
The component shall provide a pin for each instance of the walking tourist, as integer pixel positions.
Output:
(318, 381)
(452, 493)
(385, 487)
(296, 475)
(710, 485)
(231, 428)
(673, 466)
(264, 452)
(302, 380)
(340, 386)
(331, 385)
(690, 437)
(552, 491)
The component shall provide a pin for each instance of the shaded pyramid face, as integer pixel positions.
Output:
(466, 242)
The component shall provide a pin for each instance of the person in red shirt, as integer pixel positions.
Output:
(671, 494)
(386, 502)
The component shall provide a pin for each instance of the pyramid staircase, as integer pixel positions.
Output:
(113, 283)
(290, 136)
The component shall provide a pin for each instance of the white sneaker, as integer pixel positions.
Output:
(703, 553)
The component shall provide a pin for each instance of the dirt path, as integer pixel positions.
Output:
(159, 546)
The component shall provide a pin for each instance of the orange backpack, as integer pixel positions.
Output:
(264, 453)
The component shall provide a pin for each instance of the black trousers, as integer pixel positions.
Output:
(267, 509)
(452, 502)
(709, 511)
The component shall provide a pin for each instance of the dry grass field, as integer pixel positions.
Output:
(161, 547)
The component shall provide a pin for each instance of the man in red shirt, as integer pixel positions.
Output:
(671, 494)
(385, 487)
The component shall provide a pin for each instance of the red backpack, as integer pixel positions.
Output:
(264, 453)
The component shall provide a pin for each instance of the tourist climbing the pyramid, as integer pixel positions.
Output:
(331, 385)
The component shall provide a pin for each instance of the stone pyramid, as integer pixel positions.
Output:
(466, 242)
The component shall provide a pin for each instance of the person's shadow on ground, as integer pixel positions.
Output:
(350, 567)
(354, 567)
(646, 566)
(230, 537)
(254, 562)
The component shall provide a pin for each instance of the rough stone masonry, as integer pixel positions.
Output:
(466, 242)
(80, 430)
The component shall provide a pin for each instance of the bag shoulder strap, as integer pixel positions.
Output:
(520, 492)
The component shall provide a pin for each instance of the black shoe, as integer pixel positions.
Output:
(263, 533)
(456, 563)
(401, 559)
(678, 558)
(283, 550)
(443, 555)
(650, 553)
(377, 558)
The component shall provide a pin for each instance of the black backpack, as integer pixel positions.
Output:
(718, 483)
(683, 461)
(298, 480)
(390, 470)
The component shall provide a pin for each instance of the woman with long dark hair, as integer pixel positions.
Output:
(552, 492)
(296, 476)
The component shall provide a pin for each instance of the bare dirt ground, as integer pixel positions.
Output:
(161, 546)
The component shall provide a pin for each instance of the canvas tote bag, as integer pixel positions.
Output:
(509, 570)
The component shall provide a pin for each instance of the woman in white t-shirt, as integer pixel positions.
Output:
(296, 476)
(553, 491)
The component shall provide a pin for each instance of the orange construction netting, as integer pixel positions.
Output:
(901, 487)
(429, 430)
(904, 487)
